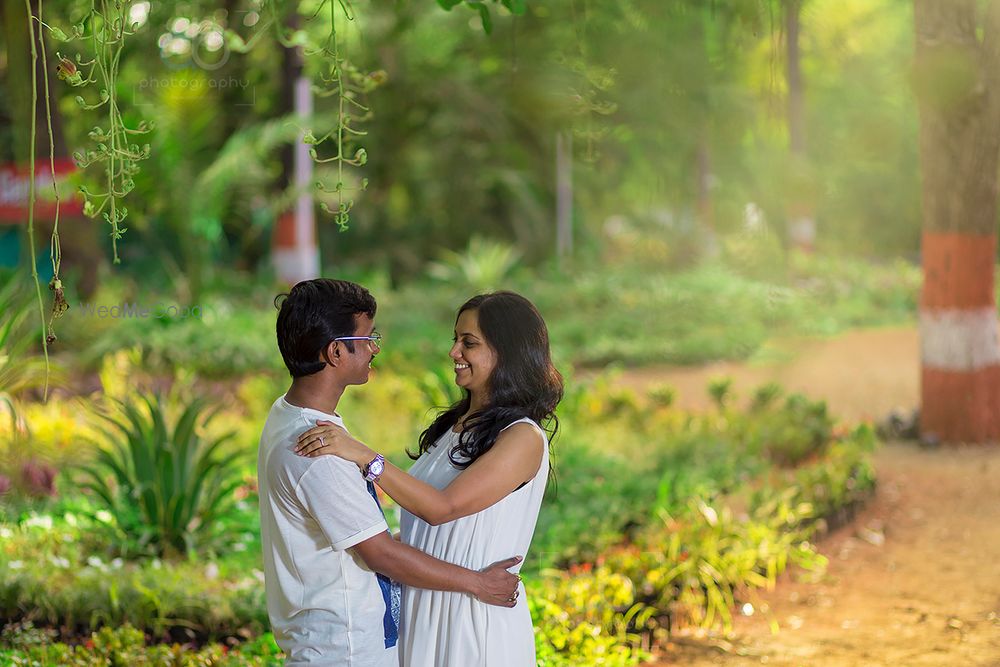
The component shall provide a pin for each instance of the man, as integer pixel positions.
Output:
(330, 565)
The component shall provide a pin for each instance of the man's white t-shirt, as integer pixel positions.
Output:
(326, 606)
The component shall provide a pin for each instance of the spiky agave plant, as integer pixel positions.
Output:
(164, 482)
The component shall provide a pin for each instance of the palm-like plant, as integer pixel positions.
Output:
(165, 483)
(20, 370)
(484, 265)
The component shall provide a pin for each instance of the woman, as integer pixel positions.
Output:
(473, 495)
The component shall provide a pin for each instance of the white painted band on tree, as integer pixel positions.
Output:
(959, 340)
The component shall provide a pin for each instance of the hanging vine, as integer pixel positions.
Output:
(59, 303)
(350, 84)
(110, 24)
(108, 31)
(31, 186)
(337, 77)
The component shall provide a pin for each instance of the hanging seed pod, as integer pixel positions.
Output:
(59, 306)
(66, 70)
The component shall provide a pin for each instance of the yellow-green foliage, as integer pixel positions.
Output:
(54, 433)
(696, 567)
(586, 618)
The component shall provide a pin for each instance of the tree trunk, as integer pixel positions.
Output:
(796, 119)
(702, 167)
(801, 193)
(294, 253)
(957, 91)
(564, 195)
(15, 22)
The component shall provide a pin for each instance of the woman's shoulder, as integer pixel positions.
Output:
(526, 425)
(522, 420)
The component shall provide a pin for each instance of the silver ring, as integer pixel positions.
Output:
(322, 442)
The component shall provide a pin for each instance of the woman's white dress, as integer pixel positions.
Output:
(440, 629)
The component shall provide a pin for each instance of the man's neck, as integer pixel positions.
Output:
(315, 393)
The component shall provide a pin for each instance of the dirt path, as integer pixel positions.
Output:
(915, 579)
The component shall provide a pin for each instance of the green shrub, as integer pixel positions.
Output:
(166, 485)
(54, 571)
(126, 647)
(625, 313)
(797, 432)
(839, 482)
(226, 341)
(697, 566)
(662, 395)
(589, 508)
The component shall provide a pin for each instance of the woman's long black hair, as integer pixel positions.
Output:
(524, 383)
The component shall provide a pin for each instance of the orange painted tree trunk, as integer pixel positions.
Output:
(957, 81)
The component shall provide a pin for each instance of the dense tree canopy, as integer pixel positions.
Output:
(676, 109)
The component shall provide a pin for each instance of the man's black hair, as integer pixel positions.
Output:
(312, 314)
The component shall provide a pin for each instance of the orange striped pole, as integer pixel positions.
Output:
(959, 342)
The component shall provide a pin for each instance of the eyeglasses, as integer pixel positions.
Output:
(374, 338)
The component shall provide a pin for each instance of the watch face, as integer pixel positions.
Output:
(376, 467)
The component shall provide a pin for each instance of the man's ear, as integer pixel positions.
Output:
(331, 353)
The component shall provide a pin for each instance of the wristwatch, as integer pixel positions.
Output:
(374, 469)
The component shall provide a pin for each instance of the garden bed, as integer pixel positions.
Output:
(713, 507)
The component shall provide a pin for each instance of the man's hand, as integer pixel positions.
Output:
(497, 586)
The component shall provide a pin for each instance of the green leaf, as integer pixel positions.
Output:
(484, 17)
(516, 7)
(57, 34)
(447, 5)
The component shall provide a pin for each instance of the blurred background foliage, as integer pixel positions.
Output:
(676, 112)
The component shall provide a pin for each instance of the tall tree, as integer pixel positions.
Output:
(958, 92)
(801, 204)
(294, 252)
